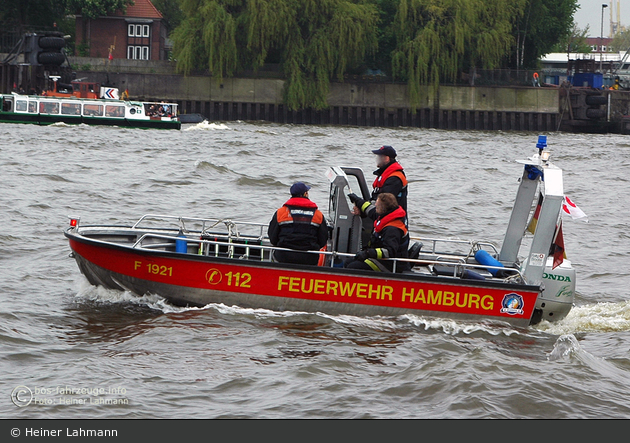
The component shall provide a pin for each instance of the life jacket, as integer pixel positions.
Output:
(300, 221)
(394, 218)
(300, 210)
(393, 170)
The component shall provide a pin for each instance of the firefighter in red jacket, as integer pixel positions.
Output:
(390, 237)
(390, 176)
(300, 226)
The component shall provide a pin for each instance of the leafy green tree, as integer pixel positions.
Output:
(438, 39)
(27, 15)
(620, 41)
(206, 37)
(574, 42)
(91, 9)
(96, 8)
(171, 12)
(386, 37)
(315, 40)
(541, 25)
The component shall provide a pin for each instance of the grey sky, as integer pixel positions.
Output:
(590, 13)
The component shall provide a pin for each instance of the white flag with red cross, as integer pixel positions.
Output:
(570, 208)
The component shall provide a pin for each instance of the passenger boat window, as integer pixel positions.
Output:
(93, 110)
(49, 107)
(32, 107)
(20, 106)
(114, 111)
(71, 108)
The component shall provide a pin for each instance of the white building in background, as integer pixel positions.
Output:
(559, 61)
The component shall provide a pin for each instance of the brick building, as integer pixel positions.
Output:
(599, 44)
(138, 34)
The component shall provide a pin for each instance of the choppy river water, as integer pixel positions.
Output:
(90, 353)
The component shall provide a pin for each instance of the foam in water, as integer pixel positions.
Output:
(568, 348)
(453, 327)
(86, 291)
(97, 293)
(599, 317)
(369, 322)
(564, 348)
(206, 126)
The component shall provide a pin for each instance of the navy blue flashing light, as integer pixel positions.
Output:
(533, 173)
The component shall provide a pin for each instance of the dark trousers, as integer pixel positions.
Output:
(304, 258)
(384, 266)
(357, 264)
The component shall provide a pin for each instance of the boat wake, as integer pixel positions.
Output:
(568, 348)
(206, 126)
(454, 327)
(87, 292)
(599, 317)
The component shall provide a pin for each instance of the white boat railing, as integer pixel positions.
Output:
(212, 248)
(239, 245)
(473, 245)
(207, 223)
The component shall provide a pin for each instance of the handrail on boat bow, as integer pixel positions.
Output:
(231, 225)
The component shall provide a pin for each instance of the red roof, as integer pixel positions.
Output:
(141, 9)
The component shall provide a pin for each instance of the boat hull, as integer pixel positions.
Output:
(44, 119)
(197, 280)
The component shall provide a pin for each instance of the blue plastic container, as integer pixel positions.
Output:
(181, 245)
